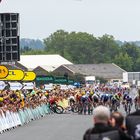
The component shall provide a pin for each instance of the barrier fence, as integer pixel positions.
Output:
(10, 119)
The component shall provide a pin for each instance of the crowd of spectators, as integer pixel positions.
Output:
(110, 126)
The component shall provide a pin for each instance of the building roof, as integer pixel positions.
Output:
(33, 61)
(20, 66)
(108, 71)
(12, 67)
(40, 71)
(49, 68)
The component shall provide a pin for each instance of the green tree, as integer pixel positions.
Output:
(56, 42)
(134, 52)
(106, 48)
(124, 61)
(80, 47)
(84, 48)
(76, 47)
(25, 49)
(137, 65)
(34, 52)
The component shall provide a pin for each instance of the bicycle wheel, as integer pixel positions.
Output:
(51, 109)
(75, 108)
(59, 109)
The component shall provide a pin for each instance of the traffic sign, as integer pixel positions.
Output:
(14, 75)
(3, 72)
(29, 76)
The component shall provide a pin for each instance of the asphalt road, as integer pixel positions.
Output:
(52, 127)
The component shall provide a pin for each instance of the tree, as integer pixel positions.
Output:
(137, 65)
(80, 47)
(56, 42)
(25, 49)
(134, 52)
(84, 48)
(76, 47)
(124, 61)
(107, 48)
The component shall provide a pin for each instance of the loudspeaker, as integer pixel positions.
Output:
(9, 37)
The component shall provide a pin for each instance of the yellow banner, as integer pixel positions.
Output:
(3, 72)
(29, 76)
(14, 75)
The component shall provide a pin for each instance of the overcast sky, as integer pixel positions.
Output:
(40, 18)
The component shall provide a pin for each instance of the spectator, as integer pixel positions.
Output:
(117, 120)
(133, 124)
(102, 129)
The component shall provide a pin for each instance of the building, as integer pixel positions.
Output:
(40, 71)
(106, 71)
(131, 77)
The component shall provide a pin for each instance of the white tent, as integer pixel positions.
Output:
(48, 61)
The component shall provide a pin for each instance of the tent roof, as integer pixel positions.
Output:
(32, 61)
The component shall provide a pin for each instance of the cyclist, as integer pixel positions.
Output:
(71, 99)
(105, 98)
(96, 98)
(115, 102)
(137, 100)
(53, 99)
(128, 99)
(86, 103)
(125, 94)
(128, 103)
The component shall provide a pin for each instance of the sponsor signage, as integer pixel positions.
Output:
(14, 75)
(28, 85)
(45, 78)
(60, 80)
(15, 86)
(2, 85)
(48, 86)
(55, 80)
(70, 82)
(3, 72)
(41, 80)
(29, 76)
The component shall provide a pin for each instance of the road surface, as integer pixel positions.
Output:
(52, 127)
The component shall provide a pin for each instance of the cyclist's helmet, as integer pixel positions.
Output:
(127, 97)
